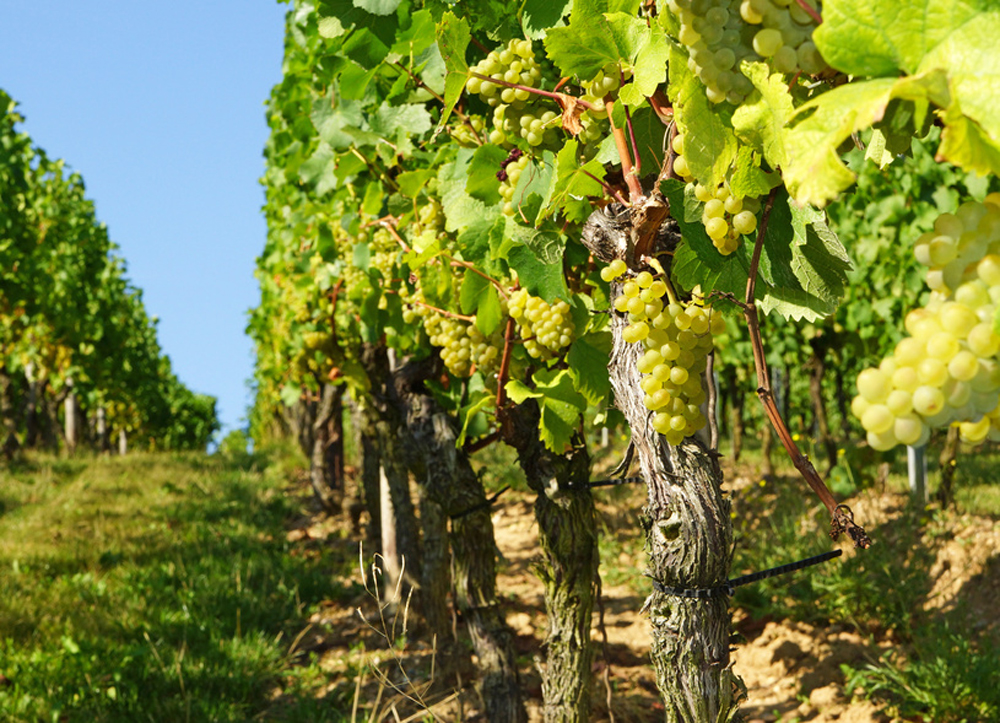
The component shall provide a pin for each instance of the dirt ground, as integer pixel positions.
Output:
(792, 670)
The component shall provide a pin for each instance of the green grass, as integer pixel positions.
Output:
(152, 587)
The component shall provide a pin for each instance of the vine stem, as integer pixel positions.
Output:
(508, 344)
(628, 172)
(811, 11)
(469, 267)
(607, 188)
(449, 314)
(842, 519)
(561, 98)
(421, 84)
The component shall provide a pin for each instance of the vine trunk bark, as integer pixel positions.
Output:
(326, 463)
(689, 540)
(446, 477)
(688, 530)
(567, 531)
(9, 423)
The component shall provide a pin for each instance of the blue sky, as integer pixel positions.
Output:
(159, 106)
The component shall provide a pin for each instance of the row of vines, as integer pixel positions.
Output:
(515, 224)
(79, 358)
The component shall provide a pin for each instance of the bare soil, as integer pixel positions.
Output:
(792, 670)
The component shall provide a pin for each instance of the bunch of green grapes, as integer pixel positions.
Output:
(469, 133)
(725, 216)
(384, 252)
(678, 336)
(430, 216)
(720, 34)
(546, 329)
(947, 369)
(517, 112)
(509, 176)
(960, 240)
(463, 346)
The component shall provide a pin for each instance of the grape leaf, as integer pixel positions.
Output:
(483, 184)
(881, 37)
(418, 36)
(453, 38)
(813, 171)
(560, 404)
(711, 148)
(290, 394)
(588, 363)
(876, 149)
(460, 209)
(572, 183)
(472, 292)
(411, 182)
(762, 117)
(400, 121)
(808, 275)
(538, 16)
(748, 180)
(480, 401)
(378, 7)
(969, 57)
(540, 279)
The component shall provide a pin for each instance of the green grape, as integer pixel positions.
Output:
(767, 42)
(878, 419)
(928, 400)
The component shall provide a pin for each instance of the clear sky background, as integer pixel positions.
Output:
(160, 107)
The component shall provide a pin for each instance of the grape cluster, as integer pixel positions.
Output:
(509, 176)
(725, 216)
(719, 34)
(677, 337)
(517, 113)
(469, 133)
(969, 236)
(947, 370)
(461, 342)
(546, 329)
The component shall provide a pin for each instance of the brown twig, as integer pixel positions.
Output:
(482, 442)
(631, 179)
(842, 518)
(508, 345)
(608, 189)
(470, 267)
(811, 11)
(561, 98)
(449, 314)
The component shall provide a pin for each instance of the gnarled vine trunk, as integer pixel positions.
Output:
(326, 468)
(8, 430)
(686, 519)
(445, 476)
(689, 541)
(567, 531)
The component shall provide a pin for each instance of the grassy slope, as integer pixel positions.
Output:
(152, 587)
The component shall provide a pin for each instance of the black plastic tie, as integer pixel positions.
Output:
(488, 502)
(708, 593)
(606, 483)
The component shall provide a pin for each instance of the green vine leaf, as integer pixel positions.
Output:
(588, 363)
(881, 37)
(711, 148)
(761, 120)
(453, 39)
